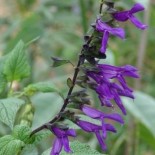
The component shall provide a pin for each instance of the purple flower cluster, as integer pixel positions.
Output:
(110, 85)
(119, 32)
(109, 90)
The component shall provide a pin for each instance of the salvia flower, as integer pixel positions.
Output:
(106, 30)
(61, 140)
(97, 129)
(109, 90)
(111, 72)
(129, 14)
(96, 114)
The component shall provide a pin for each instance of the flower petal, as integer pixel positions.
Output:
(66, 144)
(57, 147)
(119, 32)
(87, 126)
(115, 117)
(103, 128)
(121, 16)
(91, 112)
(101, 142)
(119, 103)
(136, 8)
(110, 127)
(104, 42)
(137, 23)
(71, 132)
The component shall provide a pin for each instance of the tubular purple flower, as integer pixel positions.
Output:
(125, 15)
(106, 30)
(108, 90)
(61, 140)
(96, 114)
(90, 127)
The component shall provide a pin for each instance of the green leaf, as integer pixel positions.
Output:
(146, 136)
(47, 106)
(30, 27)
(69, 82)
(78, 149)
(8, 110)
(41, 135)
(3, 80)
(59, 62)
(29, 150)
(10, 146)
(143, 108)
(22, 132)
(16, 66)
(44, 87)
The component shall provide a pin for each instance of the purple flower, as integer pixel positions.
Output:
(61, 140)
(111, 72)
(125, 15)
(96, 114)
(90, 127)
(107, 89)
(106, 30)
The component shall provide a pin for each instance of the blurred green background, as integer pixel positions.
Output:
(56, 28)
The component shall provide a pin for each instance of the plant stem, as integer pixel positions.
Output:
(101, 5)
(80, 61)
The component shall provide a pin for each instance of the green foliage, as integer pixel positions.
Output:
(29, 150)
(41, 135)
(16, 66)
(3, 80)
(78, 149)
(22, 133)
(59, 62)
(10, 145)
(8, 110)
(40, 87)
(69, 82)
(29, 28)
(143, 109)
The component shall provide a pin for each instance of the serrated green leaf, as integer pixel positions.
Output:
(41, 135)
(143, 109)
(21, 132)
(8, 110)
(10, 146)
(78, 149)
(16, 66)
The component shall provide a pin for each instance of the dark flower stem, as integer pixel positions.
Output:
(66, 101)
(101, 5)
